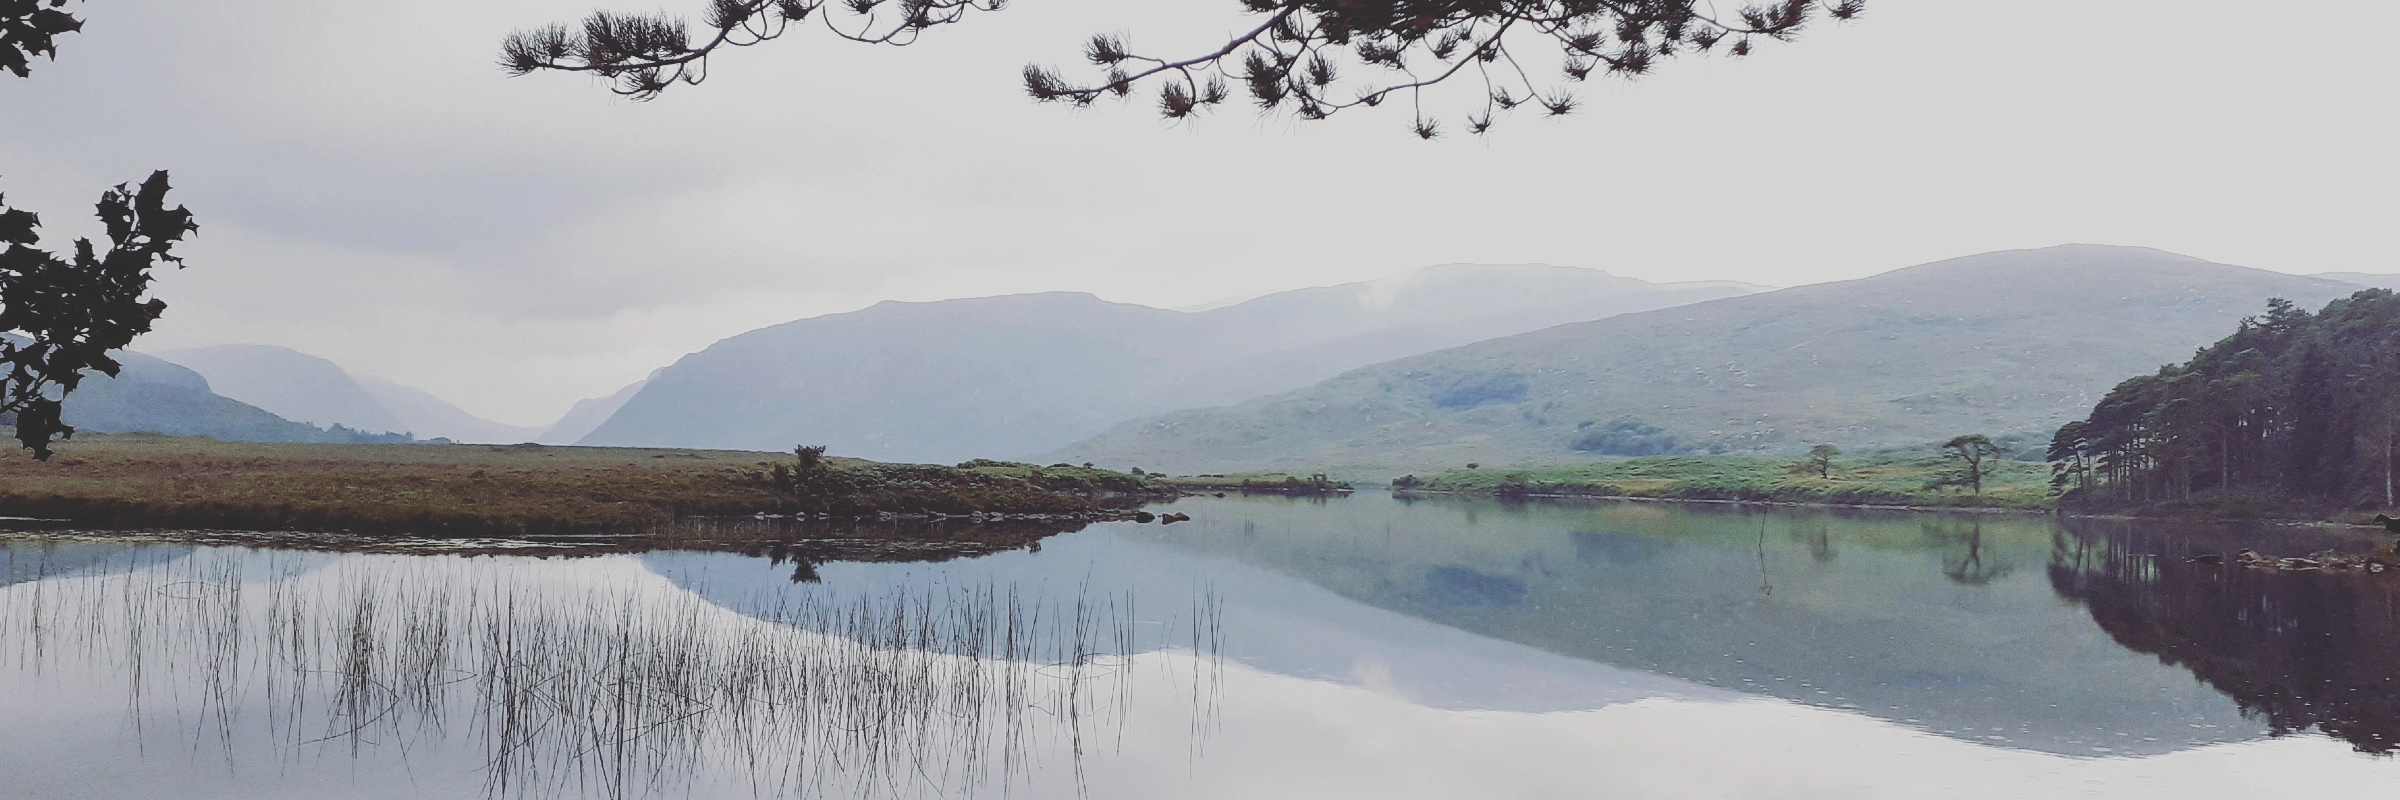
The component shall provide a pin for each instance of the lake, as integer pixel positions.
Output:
(1369, 646)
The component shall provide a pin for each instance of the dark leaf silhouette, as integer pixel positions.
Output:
(30, 28)
(61, 317)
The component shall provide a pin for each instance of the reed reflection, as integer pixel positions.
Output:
(578, 682)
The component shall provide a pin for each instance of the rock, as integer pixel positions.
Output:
(1143, 516)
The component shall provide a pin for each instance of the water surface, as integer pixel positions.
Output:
(1272, 647)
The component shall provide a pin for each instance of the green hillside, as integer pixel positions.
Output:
(2011, 344)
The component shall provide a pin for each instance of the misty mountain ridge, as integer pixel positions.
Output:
(587, 414)
(2011, 343)
(1021, 374)
(151, 395)
(2379, 281)
(309, 389)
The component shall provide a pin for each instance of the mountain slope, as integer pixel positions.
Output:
(303, 387)
(289, 383)
(2003, 343)
(152, 395)
(1009, 376)
(429, 417)
(587, 414)
(2364, 279)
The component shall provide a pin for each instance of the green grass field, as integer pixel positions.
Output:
(479, 490)
(1898, 480)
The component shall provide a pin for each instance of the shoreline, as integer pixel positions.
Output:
(140, 482)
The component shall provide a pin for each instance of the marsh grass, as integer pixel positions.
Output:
(1877, 480)
(430, 490)
(598, 688)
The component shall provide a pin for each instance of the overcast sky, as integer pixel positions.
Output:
(373, 190)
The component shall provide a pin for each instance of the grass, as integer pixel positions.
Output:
(136, 480)
(1897, 480)
(1258, 482)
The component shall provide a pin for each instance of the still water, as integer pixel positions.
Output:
(1271, 647)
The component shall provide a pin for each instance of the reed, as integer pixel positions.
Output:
(610, 688)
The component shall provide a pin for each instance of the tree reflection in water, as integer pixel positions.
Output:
(2296, 650)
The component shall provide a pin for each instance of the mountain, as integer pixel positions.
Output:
(587, 414)
(153, 396)
(2364, 279)
(292, 384)
(1010, 376)
(430, 417)
(2011, 344)
(303, 387)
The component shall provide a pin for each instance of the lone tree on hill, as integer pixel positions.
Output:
(1970, 451)
(1307, 58)
(1820, 458)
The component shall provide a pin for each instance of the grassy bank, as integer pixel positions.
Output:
(146, 481)
(1899, 480)
(1258, 483)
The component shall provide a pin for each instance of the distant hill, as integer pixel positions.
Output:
(429, 417)
(2364, 279)
(1010, 376)
(293, 385)
(154, 396)
(587, 414)
(2010, 343)
(303, 387)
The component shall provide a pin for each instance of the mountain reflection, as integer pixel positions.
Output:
(1943, 622)
(2295, 650)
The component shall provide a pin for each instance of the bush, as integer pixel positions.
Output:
(1481, 390)
(1626, 436)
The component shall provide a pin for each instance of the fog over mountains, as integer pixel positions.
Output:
(152, 395)
(1018, 375)
(298, 386)
(2011, 344)
(588, 413)
(1496, 364)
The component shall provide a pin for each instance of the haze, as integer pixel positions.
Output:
(371, 189)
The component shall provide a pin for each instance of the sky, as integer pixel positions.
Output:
(372, 189)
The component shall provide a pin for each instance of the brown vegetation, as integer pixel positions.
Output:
(140, 481)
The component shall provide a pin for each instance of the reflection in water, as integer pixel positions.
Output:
(2297, 650)
(1382, 649)
(580, 688)
(1943, 622)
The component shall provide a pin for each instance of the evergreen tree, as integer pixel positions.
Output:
(2292, 405)
(1307, 58)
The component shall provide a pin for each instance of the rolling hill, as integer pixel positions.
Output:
(2010, 343)
(2378, 281)
(1011, 376)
